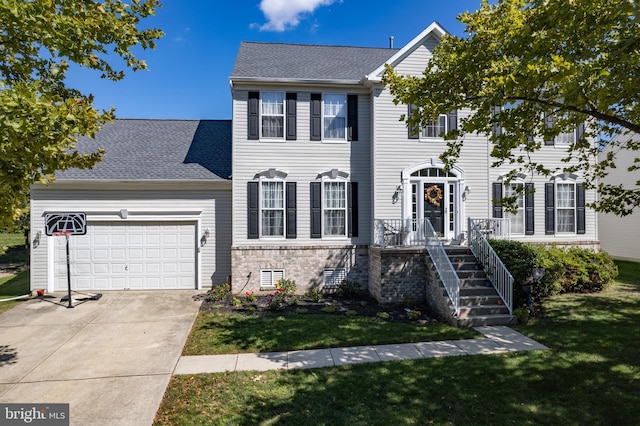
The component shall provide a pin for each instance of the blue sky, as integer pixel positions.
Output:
(188, 76)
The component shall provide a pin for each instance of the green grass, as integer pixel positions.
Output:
(12, 248)
(591, 376)
(12, 286)
(218, 333)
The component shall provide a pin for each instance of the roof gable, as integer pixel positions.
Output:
(434, 30)
(159, 150)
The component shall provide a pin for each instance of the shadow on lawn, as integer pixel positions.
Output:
(591, 375)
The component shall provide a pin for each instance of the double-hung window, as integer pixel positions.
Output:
(565, 207)
(516, 219)
(334, 209)
(435, 128)
(272, 115)
(334, 116)
(272, 208)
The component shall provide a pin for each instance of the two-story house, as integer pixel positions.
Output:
(324, 169)
(315, 179)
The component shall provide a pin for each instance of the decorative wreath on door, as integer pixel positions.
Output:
(433, 194)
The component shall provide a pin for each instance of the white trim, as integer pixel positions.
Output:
(433, 29)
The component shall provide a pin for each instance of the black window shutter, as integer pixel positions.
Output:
(497, 199)
(252, 210)
(291, 116)
(497, 127)
(316, 209)
(413, 130)
(352, 206)
(291, 210)
(352, 117)
(452, 120)
(254, 116)
(316, 116)
(529, 217)
(581, 227)
(549, 208)
(548, 124)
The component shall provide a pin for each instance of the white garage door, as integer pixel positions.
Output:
(130, 255)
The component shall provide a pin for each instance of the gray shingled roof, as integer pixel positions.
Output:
(142, 150)
(307, 62)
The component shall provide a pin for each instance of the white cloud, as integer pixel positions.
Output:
(285, 14)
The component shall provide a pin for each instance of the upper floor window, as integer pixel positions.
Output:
(435, 128)
(334, 117)
(272, 115)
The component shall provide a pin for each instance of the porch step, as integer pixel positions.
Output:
(480, 303)
(479, 320)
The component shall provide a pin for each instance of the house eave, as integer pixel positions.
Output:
(301, 81)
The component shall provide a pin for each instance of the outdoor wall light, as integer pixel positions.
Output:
(124, 213)
(466, 193)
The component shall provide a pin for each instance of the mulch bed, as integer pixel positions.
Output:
(363, 306)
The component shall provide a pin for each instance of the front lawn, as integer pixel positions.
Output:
(591, 375)
(219, 333)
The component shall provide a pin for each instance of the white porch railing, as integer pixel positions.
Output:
(495, 228)
(399, 232)
(443, 265)
(496, 272)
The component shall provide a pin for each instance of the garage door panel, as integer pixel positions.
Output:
(121, 255)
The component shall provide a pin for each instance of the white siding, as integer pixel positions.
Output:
(303, 160)
(620, 236)
(208, 205)
(393, 151)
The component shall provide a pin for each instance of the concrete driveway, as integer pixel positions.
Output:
(110, 359)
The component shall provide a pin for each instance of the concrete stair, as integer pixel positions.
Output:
(480, 304)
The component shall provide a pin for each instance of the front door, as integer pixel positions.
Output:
(434, 204)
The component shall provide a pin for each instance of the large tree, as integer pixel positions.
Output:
(535, 69)
(40, 117)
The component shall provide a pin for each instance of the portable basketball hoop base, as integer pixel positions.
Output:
(70, 301)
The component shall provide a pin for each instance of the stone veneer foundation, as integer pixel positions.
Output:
(305, 265)
(398, 275)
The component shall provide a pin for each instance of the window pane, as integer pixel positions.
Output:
(434, 128)
(566, 220)
(334, 206)
(516, 220)
(566, 195)
(272, 114)
(272, 202)
(335, 116)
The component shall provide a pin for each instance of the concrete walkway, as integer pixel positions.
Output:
(110, 359)
(498, 339)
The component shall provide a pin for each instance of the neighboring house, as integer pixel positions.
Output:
(620, 236)
(158, 210)
(326, 177)
(324, 170)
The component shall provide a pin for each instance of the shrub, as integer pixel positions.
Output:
(314, 295)
(328, 309)
(287, 286)
(220, 292)
(566, 270)
(349, 290)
